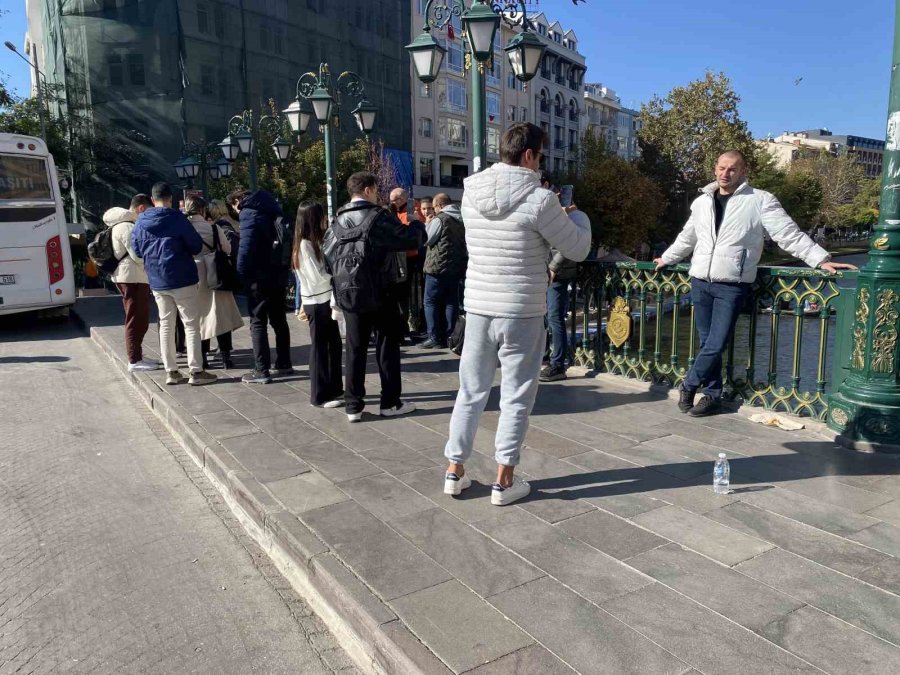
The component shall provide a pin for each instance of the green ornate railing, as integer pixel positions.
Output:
(781, 354)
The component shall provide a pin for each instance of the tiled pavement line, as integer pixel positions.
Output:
(485, 457)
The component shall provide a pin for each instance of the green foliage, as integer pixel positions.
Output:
(624, 205)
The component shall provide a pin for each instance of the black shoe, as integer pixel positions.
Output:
(256, 377)
(283, 372)
(706, 406)
(432, 344)
(686, 399)
(552, 373)
(227, 362)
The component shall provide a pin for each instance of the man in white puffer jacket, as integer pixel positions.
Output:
(511, 223)
(725, 233)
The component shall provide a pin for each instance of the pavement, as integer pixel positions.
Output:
(623, 560)
(117, 554)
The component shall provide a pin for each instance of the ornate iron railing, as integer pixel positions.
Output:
(631, 320)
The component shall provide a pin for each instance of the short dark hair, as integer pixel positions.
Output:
(737, 154)
(359, 181)
(517, 139)
(140, 199)
(161, 191)
(236, 194)
(195, 206)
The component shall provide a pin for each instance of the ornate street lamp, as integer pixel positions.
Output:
(244, 140)
(326, 100)
(180, 168)
(197, 162)
(224, 167)
(243, 134)
(297, 116)
(191, 167)
(230, 149)
(427, 55)
(282, 148)
(525, 52)
(481, 23)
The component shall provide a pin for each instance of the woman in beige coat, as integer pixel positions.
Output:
(131, 280)
(219, 314)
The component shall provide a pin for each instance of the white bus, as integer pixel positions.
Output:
(36, 272)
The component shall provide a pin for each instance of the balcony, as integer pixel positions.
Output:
(559, 112)
(573, 85)
(452, 181)
(545, 73)
(558, 145)
(545, 107)
(573, 115)
(560, 79)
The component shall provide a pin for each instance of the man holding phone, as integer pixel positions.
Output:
(562, 273)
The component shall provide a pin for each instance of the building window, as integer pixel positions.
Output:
(277, 34)
(493, 105)
(454, 134)
(524, 116)
(511, 113)
(264, 37)
(116, 72)
(220, 22)
(493, 75)
(423, 5)
(202, 18)
(136, 69)
(454, 96)
(426, 171)
(207, 81)
(425, 127)
(493, 141)
(510, 80)
(454, 57)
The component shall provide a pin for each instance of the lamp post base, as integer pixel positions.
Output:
(864, 426)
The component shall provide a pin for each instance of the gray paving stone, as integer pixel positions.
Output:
(698, 636)
(307, 492)
(197, 400)
(804, 540)
(539, 440)
(730, 593)
(831, 644)
(698, 431)
(472, 505)
(406, 653)
(591, 573)
(249, 404)
(582, 433)
(611, 534)
(697, 497)
(554, 508)
(481, 564)
(290, 431)
(677, 456)
(889, 485)
(335, 461)
(591, 640)
(226, 424)
(409, 432)
(889, 512)
(856, 603)
(386, 497)
(264, 458)
(458, 626)
(885, 575)
(808, 510)
(883, 537)
(702, 535)
(357, 437)
(595, 460)
(532, 660)
(638, 425)
(399, 459)
(828, 489)
(379, 556)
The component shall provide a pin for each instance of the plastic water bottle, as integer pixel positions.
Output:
(721, 475)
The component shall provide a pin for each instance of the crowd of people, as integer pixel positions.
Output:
(506, 256)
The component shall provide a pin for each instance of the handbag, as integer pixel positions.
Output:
(220, 273)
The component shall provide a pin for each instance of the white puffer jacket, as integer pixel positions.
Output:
(511, 223)
(131, 268)
(733, 255)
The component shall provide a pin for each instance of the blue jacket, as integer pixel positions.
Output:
(167, 242)
(257, 260)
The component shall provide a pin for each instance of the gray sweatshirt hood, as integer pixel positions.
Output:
(453, 211)
(501, 188)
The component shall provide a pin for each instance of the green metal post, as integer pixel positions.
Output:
(866, 408)
(479, 118)
(330, 179)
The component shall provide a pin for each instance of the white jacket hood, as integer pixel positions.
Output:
(117, 215)
(499, 189)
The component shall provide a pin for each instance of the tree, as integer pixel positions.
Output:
(840, 179)
(684, 133)
(624, 205)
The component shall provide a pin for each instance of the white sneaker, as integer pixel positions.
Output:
(501, 496)
(336, 403)
(354, 417)
(404, 408)
(453, 484)
(143, 364)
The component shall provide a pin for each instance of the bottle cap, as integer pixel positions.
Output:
(721, 455)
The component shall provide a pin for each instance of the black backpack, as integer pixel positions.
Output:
(283, 242)
(458, 336)
(356, 276)
(101, 251)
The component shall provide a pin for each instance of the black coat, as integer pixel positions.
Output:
(256, 262)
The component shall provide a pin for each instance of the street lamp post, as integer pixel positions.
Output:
(40, 94)
(865, 410)
(243, 136)
(326, 99)
(480, 22)
(196, 161)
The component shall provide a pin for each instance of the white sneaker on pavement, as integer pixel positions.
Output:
(142, 365)
(454, 484)
(354, 417)
(501, 496)
(336, 403)
(404, 408)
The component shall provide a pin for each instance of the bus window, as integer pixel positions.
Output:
(24, 179)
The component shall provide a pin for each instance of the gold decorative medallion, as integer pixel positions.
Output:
(884, 335)
(881, 244)
(858, 359)
(618, 326)
(839, 416)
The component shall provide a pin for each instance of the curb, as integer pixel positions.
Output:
(367, 629)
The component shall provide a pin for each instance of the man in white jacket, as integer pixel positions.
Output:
(725, 233)
(511, 224)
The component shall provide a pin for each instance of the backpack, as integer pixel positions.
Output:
(355, 274)
(282, 243)
(101, 251)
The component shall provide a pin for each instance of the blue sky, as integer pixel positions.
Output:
(639, 48)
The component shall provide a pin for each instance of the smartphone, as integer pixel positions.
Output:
(566, 193)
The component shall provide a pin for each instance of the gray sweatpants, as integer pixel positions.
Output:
(519, 344)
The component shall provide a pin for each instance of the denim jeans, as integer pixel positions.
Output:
(557, 306)
(441, 306)
(716, 308)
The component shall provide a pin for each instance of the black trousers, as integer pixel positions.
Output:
(387, 324)
(325, 355)
(224, 342)
(266, 306)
